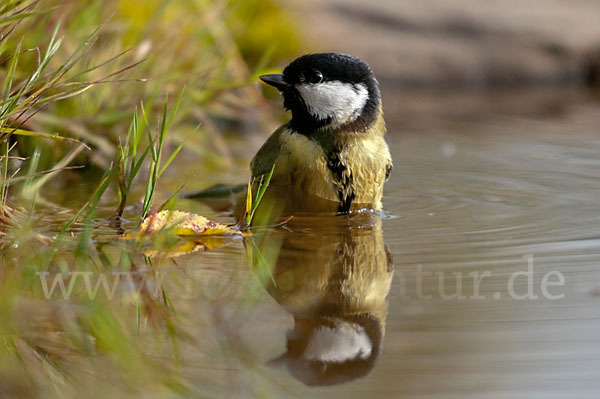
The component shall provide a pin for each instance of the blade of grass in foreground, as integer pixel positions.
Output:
(156, 150)
(128, 165)
(26, 133)
(260, 192)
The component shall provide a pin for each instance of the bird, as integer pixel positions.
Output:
(331, 156)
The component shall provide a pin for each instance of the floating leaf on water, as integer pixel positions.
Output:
(204, 234)
(186, 224)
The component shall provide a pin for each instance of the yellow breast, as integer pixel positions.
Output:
(303, 180)
(313, 188)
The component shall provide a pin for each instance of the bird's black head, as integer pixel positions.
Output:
(328, 89)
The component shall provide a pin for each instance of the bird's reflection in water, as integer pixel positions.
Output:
(333, 275)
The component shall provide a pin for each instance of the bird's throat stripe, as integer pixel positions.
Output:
(343, 180)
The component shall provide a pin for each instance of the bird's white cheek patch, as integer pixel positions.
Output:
(339, 101)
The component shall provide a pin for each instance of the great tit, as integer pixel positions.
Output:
(331, 156)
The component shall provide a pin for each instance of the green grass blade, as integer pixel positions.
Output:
(261, 191)
(10, 73)
(56, 137)
(173, 155)
(29, 176)
(175, 108)
(138, 165)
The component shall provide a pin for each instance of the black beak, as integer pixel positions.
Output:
(275, 80)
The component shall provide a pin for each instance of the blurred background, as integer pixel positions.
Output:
(493, 119)
(462, 58)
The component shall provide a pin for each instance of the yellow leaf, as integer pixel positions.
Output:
(186, 224)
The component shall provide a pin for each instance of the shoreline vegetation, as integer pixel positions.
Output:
(84, 102)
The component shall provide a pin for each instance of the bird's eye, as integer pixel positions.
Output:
(315, 77)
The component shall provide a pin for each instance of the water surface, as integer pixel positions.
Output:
(481, 280)
(372, 309)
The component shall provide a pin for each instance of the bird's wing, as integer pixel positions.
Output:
(267, 155)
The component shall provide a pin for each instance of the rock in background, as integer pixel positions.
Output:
(462, 43)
